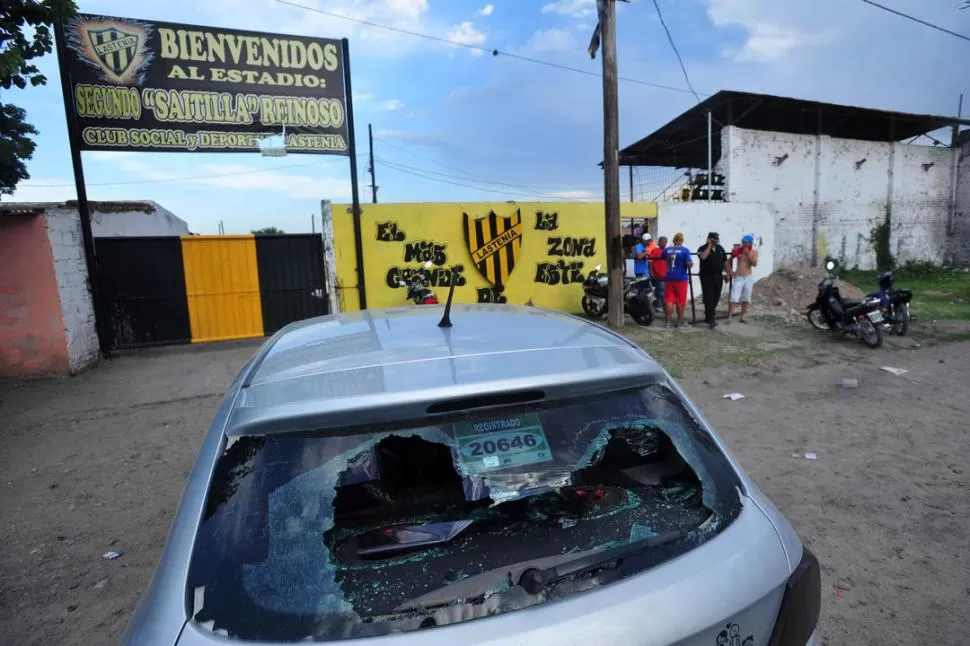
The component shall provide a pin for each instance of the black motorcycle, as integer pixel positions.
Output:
(894, 303)
(418, 290)
(862, 318)
(637, 296)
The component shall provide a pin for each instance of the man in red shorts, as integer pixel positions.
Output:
(679, 263)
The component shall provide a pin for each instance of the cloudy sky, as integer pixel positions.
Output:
(452, 123)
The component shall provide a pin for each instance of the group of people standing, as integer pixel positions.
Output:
(669, 268)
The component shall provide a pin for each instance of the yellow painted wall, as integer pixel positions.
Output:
(553, 246)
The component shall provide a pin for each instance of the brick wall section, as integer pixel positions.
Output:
(67, 249)
(31, 326)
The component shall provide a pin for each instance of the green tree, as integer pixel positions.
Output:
(25, 34)
(269, 231)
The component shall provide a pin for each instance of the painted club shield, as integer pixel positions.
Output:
(116, 49)
(494, 243)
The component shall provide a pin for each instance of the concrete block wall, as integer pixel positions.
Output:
(730, 220)
(827, 194)
(77, 308)
(958, 249)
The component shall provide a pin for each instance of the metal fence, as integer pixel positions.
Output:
(692, 298)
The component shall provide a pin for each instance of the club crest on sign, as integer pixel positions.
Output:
(115, 48)
(494, 243)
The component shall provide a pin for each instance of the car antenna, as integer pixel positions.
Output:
(446, 317)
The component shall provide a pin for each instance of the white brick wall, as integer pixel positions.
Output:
(730, 220)
(67, 248)
(846, 185)
(959, 249)
(158, 222)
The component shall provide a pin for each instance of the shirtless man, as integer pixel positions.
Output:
(747, 259)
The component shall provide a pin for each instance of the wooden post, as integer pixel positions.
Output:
(611, 169)
(954, 175)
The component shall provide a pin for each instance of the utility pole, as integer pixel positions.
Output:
(955, 174)
(611, 169)
(373, 181)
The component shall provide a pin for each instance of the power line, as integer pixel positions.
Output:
(493, 52)
(670, 39)
(915, 19)
(478, 186)
(469, 176)
(182, 179)
(417, 173)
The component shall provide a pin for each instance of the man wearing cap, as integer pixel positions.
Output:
(714, 267)
(747, 259)
(640, 254)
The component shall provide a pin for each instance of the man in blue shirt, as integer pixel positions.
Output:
(640, 256)
(679, 262)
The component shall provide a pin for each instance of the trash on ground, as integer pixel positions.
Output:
(811, 456)
(895, 371)
(112, 555)
(850, 383)
(734, 396)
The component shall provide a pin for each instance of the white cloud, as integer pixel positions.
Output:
(409, 15)
(487, 10)
(241, 177)
(393, 134)
(43, 189)
(391, 105)
(466, 34)
(363, 97)
(768, 42)
(551, 40)
(416, 138)
(107, 155)
(573, 195)
(575, 8)
(767, 37)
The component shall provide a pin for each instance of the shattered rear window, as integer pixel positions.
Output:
(344, 536)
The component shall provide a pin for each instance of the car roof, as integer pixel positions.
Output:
(393, 363)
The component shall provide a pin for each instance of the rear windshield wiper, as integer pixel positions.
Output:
(535, 580)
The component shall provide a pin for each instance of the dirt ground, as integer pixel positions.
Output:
(97, 463)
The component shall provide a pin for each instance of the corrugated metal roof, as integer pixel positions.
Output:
(682, 143)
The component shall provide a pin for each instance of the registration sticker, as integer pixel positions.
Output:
(501, 443)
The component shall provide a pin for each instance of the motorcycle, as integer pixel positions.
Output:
(862, 318)
(894, 302)
(637, 296)
(418, 290)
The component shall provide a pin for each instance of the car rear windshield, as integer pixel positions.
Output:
(390, 529)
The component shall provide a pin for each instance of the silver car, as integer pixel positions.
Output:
(521, 477)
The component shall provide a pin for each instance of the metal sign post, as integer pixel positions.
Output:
(354, 192)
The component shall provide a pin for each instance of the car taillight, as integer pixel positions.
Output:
(430, 300)
(801, 604)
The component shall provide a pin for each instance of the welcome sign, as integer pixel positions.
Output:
(156, 86)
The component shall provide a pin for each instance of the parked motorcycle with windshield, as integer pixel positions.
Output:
(418, 290)
(861, 318)
(637, 296)
(894, 303)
